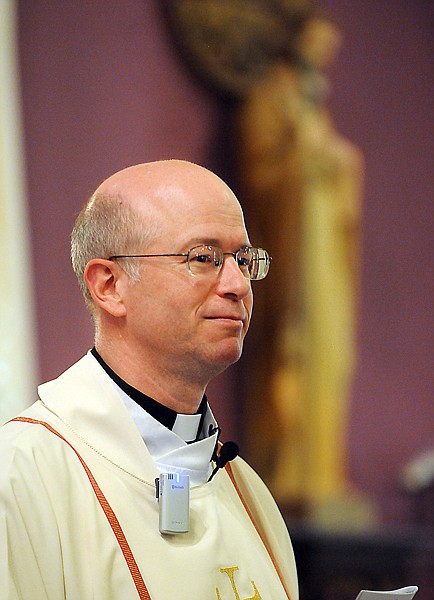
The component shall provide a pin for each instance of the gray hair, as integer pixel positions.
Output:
(107, 226)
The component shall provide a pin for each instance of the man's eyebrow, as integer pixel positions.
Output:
(211, 242)
(204, 240)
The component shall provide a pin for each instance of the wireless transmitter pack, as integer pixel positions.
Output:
(173, 494)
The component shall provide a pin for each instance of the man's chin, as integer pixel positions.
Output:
(226, 354)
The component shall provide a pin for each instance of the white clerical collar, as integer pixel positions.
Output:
(168, 450)
(187, 426)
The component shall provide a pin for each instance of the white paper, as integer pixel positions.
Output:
(405, 593)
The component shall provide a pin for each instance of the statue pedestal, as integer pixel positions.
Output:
(350, 512)
(354, 513)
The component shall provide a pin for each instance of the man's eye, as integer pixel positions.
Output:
(243, 262)
(203, 258)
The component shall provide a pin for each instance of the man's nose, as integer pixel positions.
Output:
(231, 279)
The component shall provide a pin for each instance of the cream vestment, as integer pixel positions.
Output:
(57, 541)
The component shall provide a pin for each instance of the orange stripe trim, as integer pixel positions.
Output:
(229, 471)
(108, 511)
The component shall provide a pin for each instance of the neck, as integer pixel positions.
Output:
(163, 385)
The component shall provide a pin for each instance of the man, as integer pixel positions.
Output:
(164, 261)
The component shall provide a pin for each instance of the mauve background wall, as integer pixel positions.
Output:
(103, 88)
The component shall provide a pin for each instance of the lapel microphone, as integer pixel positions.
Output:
(228, 451)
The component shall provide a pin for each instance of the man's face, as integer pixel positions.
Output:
(185, 324)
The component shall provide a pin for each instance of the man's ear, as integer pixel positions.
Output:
(102, 278)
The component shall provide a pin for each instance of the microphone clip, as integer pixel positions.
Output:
(228, 451)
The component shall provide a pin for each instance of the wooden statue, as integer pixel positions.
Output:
(300, 184)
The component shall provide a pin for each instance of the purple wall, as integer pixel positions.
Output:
(383, 100)
(103, 88)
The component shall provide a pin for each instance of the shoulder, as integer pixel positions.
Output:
(20, 432)
(29, 446)
(267, 519)
(253, 488)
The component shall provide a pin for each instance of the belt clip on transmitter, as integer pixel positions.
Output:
(173, 495)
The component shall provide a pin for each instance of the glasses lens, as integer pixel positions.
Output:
(204, 260)
(244, 258)
(255, 261)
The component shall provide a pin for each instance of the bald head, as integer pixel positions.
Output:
(147, 177)
(158, 189)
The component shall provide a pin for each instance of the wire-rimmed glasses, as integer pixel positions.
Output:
(204, 260)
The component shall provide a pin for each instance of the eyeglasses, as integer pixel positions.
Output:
(254, 263)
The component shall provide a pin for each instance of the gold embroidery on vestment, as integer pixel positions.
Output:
(230, 573)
